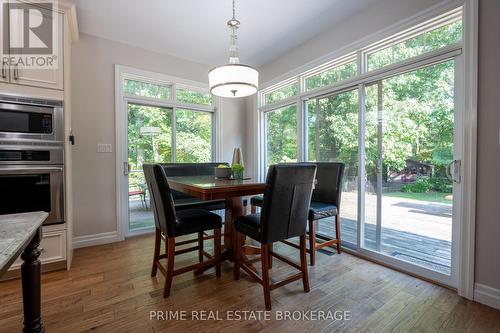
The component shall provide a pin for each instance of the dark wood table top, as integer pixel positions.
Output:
(211, 188)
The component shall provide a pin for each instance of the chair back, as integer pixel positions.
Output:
(162, 201)
(328, 187)
(189, 169)
(286, 201)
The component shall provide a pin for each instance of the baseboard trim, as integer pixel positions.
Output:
(487, 295)
(96, 239)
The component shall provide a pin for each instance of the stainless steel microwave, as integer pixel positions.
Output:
(30, 119)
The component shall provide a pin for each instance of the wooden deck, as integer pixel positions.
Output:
(424, 251)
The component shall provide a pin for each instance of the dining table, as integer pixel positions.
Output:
(212, 188)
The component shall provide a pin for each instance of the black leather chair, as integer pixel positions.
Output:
(284, 214)
(171, 223)
(185, 201)
(325, 203)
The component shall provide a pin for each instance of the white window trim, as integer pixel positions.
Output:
(469, 103)
(121, 100)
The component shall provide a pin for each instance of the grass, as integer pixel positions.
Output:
(429, 196)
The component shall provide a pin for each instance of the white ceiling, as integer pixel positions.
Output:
(196, 29)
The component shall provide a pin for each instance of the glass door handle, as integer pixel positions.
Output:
(456, 174)
(126, 168)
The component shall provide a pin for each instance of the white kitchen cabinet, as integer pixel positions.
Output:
(45, 77)
(52, 247)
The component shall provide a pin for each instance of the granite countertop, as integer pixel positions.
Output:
(15, 232)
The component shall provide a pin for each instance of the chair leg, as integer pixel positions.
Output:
(200, 246)
(154, 269)
(312, 242)
(236, 255)
(170, 265)
(303, 263)
(270, 256)
(264, 248)
(337, 233)
(253, 209)
(217, 250)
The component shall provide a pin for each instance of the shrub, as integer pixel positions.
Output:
(419, 186)
(441, 184)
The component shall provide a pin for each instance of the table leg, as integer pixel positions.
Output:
(30, 271)
(234, 208)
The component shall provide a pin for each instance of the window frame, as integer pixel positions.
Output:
(121, 109)
(465, 56)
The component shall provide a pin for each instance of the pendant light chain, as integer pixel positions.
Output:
(233, 79)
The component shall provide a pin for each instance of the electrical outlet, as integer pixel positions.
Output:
(104, 148)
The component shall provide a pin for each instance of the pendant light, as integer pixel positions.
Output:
(233, 79)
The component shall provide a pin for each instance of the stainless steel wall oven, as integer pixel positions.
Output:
(32, 157)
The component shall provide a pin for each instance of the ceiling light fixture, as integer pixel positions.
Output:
(233, 79)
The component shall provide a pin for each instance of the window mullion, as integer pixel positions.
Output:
(174, 135)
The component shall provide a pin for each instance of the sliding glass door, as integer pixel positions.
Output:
(332, 135)
(149, 141)
(410, 162)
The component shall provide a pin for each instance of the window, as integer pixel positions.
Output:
(332, 75)
(394, 128)
(162, 127)
(281, 135)
(193, 136)
(195, 97)
(146, 89)
(427, 41)
(281, 93)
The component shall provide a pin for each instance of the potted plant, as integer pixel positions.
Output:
(238, 171)
(223, 171)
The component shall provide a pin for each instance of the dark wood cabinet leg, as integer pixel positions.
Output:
(30, 271)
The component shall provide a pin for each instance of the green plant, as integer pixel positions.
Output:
(441, 184)
(238, 170)
(421, 185)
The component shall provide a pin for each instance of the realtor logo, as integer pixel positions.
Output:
(29, 30)
(29, 34)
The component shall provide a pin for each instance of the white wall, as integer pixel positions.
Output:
(93, 91)
(488, 149)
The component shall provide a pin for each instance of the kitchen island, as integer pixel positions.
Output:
(20, 234)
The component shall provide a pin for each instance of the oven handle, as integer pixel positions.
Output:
(30, 170)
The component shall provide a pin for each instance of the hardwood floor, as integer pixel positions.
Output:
(109, 289)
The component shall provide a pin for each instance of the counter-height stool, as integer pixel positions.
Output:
(171, 224)
(325, 203)
(284, 215)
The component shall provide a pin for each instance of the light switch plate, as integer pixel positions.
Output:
(104, 148)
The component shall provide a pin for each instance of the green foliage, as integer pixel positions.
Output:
(238, 167)
(190, 96)
(238, 170)
(441, 184)
(282, 93)
(281, 135)
(332, 75)
(425, 185)
(145, 89)
(419, 186)
(150, 129)
(425, 42)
